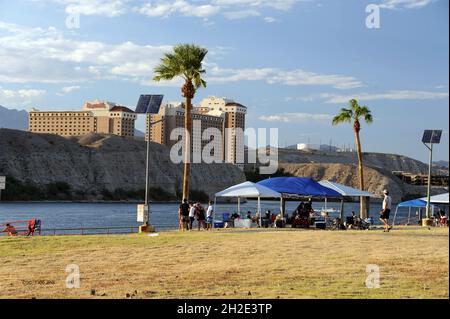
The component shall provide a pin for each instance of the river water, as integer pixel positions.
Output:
(164, 215)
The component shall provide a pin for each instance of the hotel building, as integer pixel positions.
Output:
(95, 117)
(213, 112)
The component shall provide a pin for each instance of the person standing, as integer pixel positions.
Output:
(209, 216)
(183, 214)
(386, 210)
(200, 216)
(192, 213)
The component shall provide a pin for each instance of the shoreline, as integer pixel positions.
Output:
(373, 201)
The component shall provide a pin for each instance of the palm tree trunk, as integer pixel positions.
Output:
(187, 147)
(362, 206)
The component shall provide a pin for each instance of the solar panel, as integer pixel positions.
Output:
(149, 103)
(432, 136)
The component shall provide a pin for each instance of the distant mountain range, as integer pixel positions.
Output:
(443, 164)
(13, 119)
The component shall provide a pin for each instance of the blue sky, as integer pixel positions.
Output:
(294, 63)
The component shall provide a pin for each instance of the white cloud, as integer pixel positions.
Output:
(109, 8)
(390, 95)
(404, 4)
(68, 89)
(277, 76)
(19, 97)
(270, 19)
(183, 7)
(49, 56)
(297, 118)
(241, 14)
(230, 9)
(275, 4)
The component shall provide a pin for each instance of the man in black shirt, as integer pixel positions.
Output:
(183, 214)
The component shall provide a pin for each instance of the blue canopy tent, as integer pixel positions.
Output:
(297, 187)
(414, 203)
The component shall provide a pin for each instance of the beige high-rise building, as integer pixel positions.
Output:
(213, 112)
(95, 117)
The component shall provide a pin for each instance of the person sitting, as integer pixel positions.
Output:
(308, 206)
(235, 216)
(249, 215)
(266, 221)
(256, 219)
(299, 208)
(273, 217)
(352, 221)
(10, 229)
(279, 221)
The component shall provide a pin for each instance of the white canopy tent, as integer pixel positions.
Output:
(248, 190)
(437, 199)
(345, 191)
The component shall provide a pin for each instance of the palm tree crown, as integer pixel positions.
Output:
(354, 113)
(185, 61)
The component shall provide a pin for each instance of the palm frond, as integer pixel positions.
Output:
(185, 61)
(345, 116)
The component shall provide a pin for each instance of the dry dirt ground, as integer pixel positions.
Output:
(413, 263)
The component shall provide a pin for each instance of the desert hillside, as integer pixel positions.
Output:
(388, 162)
(94, 163)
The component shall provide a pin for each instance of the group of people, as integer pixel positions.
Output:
(303, 212)
(268, 219)
(440, 218)
(31, 228)
(188, 213)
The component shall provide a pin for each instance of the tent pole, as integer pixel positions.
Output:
(395, 215)
(325, 203)
(239, 205)
(409, 216)
(259, 211)
(342, 211)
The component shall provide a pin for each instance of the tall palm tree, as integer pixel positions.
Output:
(184, 61)
(354, 114)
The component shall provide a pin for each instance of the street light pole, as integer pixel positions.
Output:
(428, 208)
(148, 104)
(146, 203)
(430, 137)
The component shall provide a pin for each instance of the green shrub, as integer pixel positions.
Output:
(198, 196)
(58, 190)
(16, 190)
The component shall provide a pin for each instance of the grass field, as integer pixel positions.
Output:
(413, 263)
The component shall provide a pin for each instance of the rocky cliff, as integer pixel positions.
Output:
(388, 162)
(94, 163)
